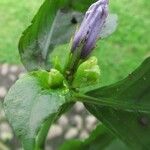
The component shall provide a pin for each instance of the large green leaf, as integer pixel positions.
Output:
(50, 27)
(31, 107)
(35, 41)
(99, 139)
(124, 107)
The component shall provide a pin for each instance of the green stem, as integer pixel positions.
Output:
(40, 140)
(109, 103)
(72, 64)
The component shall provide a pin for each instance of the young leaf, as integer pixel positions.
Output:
(35, 41)
(88, 73)
(49, 27)
(99, 139)
(64, 26)
(124, 107)
(31, 107)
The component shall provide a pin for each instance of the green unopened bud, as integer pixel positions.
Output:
(87, 74)
(55, 79)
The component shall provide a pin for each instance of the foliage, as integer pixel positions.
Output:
(39, 98)
(100, 138)
(128, 110)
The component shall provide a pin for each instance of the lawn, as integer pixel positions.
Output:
(120, 53)
(15, 16)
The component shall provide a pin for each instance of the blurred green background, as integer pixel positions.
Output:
(15, 16)
(119, 54)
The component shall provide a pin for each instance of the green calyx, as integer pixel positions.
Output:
(87, 74)
(55, 79)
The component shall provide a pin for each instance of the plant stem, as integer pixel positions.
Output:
(110, 103)
(73, 62)
(40, 140)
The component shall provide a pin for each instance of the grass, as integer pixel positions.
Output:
(15, 16)
(130, 44)
(119, 54)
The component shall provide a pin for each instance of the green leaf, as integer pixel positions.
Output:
(64, 26)
(124, 107)
(49, 28)
(35, 41)
(81, 5)
(99, 139)
(117, 144)
(31, 107)
(88, 73)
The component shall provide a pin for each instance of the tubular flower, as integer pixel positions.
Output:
(90, 28)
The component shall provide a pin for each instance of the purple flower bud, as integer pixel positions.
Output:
(90, 28)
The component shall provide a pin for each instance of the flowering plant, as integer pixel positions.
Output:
(51, 88)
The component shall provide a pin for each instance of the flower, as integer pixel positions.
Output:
(90, 28)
